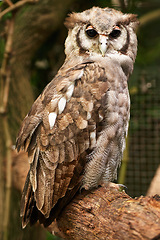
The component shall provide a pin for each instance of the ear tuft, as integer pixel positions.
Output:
(131, 19)
(71, 20)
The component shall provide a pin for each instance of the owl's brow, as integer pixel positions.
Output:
(122, 22)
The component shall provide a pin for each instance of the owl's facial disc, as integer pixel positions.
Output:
(104, 40)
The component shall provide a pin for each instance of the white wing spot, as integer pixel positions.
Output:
(52, 118)
(61, 105)
(100, 117)
(70, 91)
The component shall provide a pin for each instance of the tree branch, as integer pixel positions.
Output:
(4, 93)
(8, 143)
(15, 6)
(151, 16)
(5, 71)
(104, 213)
(9, 2)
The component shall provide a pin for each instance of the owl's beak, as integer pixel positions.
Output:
(103, 44)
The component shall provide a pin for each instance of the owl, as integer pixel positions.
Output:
(75, 131)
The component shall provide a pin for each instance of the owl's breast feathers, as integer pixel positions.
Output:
(58, 133)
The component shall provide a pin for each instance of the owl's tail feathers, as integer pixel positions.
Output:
(30, 213)
(27, 204)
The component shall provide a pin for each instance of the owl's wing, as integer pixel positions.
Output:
(58, 132)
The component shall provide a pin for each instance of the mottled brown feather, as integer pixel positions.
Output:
(53, 169)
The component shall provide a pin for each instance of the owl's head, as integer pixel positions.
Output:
(101, 31)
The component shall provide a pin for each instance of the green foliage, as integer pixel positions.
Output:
(51, 237)
(1, 3)
(149, 43)
(7, 16)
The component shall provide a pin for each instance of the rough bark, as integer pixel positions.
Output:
(104, 213)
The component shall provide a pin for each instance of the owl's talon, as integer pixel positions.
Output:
(122, 186)
(117, 186)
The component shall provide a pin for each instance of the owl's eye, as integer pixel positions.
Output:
(91, 32)
(116, 32)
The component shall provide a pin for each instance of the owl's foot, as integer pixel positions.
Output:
(117, 186)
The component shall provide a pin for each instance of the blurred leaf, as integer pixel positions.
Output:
(52, 237)
(133, 90)
(7, 16)
(1, 3)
